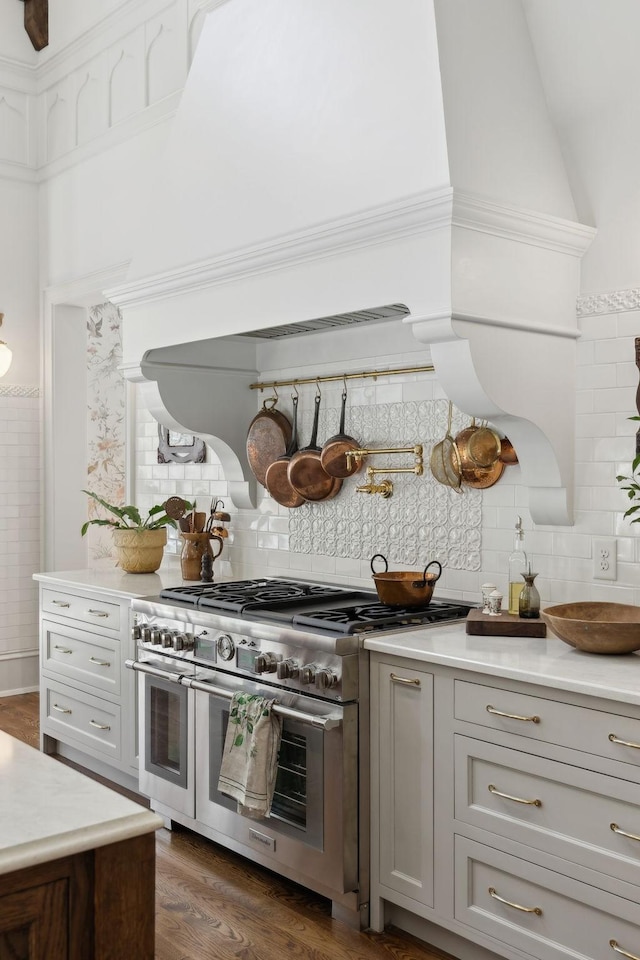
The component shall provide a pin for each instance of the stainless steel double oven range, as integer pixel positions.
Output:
(302, 644)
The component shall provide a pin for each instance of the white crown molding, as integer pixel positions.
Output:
(17, 171)
(441, 325)
(617, 301)
(525, 226)
(19, 390)
(411, 215)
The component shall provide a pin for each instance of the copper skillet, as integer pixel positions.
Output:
(476, 444)
(267, 439)
(305, 471)
(276, 479)
(333, 457)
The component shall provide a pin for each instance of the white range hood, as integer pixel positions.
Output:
(370, 161)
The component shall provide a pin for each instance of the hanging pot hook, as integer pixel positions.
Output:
(295, 395)
(318, 391)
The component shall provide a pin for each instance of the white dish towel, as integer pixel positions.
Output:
(250, 755)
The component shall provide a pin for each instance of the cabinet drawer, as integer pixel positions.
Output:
(90, 659)
(552, 806)
(71, 715)
(613, 736)
(100, 613)
(546, 914)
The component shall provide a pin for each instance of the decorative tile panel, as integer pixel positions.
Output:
(106, 419)
(422, 521)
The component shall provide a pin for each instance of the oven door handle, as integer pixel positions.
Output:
(143, 667)
(326, 723)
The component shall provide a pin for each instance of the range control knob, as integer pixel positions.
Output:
(178, 641)
(325, 679)
(265, 663)
(155, 635)
(136, 632)
(308, 674)
(287, 669)
(166, 638)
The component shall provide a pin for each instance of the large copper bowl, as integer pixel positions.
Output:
(596, 627)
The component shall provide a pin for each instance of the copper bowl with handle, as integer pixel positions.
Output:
(405, 588)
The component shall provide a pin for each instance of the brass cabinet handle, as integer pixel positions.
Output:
(516, 906)
(99, 726)
(508, 796)
(623, 833)
(101, 663)
(415, 682)
(614, 946)
(60, 603)
(97, 613)
(625, 743)
(511, 716)
(60, 709)
(62, 649)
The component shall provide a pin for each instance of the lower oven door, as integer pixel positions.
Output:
(313, 826)
(166, 724)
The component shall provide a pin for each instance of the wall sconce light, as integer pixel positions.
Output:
(5, 353)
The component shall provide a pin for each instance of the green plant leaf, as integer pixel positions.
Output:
(239, 740)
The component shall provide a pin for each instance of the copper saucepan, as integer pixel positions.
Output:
(305, 471)
(334, 452)
(405, 588)
(276, 479)
(476, 444)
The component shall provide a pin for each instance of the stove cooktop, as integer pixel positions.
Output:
(311, 605)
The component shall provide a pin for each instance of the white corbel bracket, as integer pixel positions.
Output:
(521, 378)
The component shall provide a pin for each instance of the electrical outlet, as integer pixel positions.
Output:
(605, 560)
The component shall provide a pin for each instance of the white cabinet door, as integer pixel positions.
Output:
(402, 726)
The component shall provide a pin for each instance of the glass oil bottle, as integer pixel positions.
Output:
(518, 566)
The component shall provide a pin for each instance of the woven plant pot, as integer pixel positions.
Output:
(139, 551)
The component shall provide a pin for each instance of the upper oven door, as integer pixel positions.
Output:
(313, 827)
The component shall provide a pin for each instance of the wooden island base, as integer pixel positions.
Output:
(96, 905)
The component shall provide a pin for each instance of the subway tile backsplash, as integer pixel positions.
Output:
(269, 540)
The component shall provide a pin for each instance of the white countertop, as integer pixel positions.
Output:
(549, 662)
(111, 580)
(48, 810)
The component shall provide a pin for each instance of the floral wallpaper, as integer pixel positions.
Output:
(106, 420)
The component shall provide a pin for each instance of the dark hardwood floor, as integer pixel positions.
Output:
(214, 905)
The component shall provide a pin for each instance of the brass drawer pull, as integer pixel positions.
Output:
(512, 716)
(60, 709)
(623, 833)
(625, 743)
(60, 603)
(508, 796)
(614, 946)
(99, 726)
(101, 663)
(62, 649)
(97, 613)
(415, 682)
(516, 906)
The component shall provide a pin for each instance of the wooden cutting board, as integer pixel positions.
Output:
(506, 625)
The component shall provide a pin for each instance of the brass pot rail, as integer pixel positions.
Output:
(385, 488)
(363, 375)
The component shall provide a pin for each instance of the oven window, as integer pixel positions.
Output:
(166, 730)
(297, 807)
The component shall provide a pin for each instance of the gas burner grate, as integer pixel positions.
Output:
(239, 595)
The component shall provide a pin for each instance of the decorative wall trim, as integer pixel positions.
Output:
(19, 390)
(618, 301)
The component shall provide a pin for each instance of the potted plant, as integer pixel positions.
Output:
(139, 544)
(632, 486)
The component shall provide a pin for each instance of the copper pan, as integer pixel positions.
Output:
(507, 453)
(305, 471)
(276, 479)
(405, 588)
(334, 458)
(267, 439)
